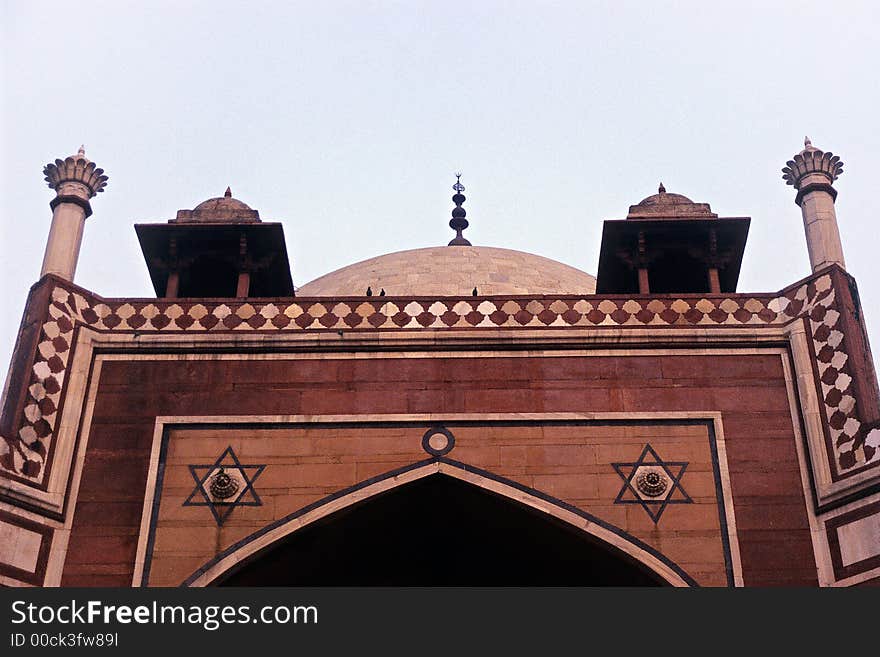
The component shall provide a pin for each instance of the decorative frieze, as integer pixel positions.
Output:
(852, 443)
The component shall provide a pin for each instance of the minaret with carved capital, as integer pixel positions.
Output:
(75, 180)
(812, 173)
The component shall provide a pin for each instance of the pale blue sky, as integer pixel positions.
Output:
(346, 120)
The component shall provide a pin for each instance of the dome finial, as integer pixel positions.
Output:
(458, 222)
(807, 142)
(82, 150)
(228, 192)
(661, 189)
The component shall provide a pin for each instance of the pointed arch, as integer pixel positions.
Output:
(612, 537)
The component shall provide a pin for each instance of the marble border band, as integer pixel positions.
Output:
(833, 525)
(35, 577)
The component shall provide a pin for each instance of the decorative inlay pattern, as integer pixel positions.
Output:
(652, 483)
(26, 454)
(224, 485)
(853, 443)
(438, 441)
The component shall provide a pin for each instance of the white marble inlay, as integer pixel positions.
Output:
(859, 540)
(19, 547)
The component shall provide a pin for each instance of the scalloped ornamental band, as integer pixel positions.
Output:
(26, 454)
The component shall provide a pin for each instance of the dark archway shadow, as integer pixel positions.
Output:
(436, 531)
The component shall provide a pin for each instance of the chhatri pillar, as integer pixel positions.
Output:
(75, 180)
(812, 173)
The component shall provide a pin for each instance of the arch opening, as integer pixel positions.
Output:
(439, 530)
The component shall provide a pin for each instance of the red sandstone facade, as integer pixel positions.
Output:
(699, 439)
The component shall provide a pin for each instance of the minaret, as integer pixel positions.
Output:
(458, 222)
(812, 173)
(75, 181)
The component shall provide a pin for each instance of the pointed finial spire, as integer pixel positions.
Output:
(458, 222)
(661, 189)
(228, 193)
(808, 146)
(81, 155)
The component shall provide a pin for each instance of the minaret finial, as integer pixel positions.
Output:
(228, 193)
(808, 146)
(661, 189)
(82, 150)
(458, 222)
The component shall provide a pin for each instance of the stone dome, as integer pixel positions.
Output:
(665, 205)
(453, 271)
(223, 209)
(221, 204)
(664, 198)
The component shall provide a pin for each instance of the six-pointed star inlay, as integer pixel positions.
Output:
(652, 482)
(224, 485)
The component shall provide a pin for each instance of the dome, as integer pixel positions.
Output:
(665, 205)
(221, 205)
(664, 198)
(223, 209)
(453, 271)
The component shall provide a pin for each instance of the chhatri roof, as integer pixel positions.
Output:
(673, 206)
(223, 209)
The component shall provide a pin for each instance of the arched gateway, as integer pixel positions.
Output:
(655, 424)
(440, 524)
